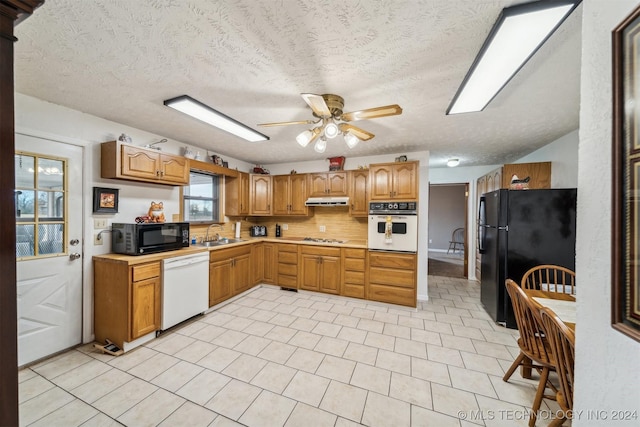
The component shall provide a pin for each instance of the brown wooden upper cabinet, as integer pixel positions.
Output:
(289, 195)
(359, 193)
(398, 180)
(539, 174)
(237, 195)
(125, 161)
(260, 195)
(328, 184)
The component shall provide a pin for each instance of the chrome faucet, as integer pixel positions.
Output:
(206, 237)
(152, 145)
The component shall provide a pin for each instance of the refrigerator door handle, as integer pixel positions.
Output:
(505, 228)
(481, 226)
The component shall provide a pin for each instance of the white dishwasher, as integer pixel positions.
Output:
(185, 288)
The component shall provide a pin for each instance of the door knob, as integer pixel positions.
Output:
(74, 256)
(74, 242)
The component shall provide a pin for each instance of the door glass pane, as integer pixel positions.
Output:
(50, 173)
(50, 205)
(50, 238)
(25, 205)
(24, 240)
(25, 171)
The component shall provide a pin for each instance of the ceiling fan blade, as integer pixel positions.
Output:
(372, 113)
(317, 104)
(361, 134)
(298, 122)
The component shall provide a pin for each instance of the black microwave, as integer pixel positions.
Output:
(141, 239)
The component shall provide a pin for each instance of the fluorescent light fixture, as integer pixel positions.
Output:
(203, 112)
(515, 37)
(452, 163)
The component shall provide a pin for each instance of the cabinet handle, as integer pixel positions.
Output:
(157, 173)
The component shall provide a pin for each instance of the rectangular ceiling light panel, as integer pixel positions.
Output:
(203, 112)
(515, 37)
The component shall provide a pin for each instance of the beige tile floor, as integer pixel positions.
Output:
(279, 358)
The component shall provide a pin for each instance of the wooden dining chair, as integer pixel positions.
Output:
(550, 278)
(562, 340)
(535, 350)
(457, 240)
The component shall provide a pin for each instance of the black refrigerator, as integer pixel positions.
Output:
(517, 230)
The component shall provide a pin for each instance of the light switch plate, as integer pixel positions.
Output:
(99, 223)
(323, 228)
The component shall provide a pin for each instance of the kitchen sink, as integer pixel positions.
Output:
(220, 242)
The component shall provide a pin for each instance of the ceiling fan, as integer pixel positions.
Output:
(331, 121)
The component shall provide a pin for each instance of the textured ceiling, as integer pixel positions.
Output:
(251, 59)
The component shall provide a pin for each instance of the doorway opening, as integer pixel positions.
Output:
(448, 249)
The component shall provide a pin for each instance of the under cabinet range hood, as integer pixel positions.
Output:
(327, 201)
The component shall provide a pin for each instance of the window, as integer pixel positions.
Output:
(201, 198)
(40, 205)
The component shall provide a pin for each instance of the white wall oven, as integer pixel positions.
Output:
(393, 226)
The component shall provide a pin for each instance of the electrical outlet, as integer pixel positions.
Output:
(100, 223)
(98, 241)
(285, 226)
(323, 228)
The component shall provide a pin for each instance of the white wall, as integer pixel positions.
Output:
(563, 153)
(607, 363)
(38, 118)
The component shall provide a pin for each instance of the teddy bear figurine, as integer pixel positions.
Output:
(156, 212)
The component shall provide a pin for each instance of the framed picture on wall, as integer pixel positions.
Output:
(105, 200)
(625, 244)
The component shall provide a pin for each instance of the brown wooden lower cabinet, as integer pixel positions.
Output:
(392, 278)
(320, 269)
(354, 270)
(257, 263)
(270, 267)
(287, 273)
(229, 273)
(127, 301)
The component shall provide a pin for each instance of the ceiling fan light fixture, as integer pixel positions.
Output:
(320, 145)
(351, 139)
(452, 163)
(515, 37)
(305, 137)
(331, 130)
(203, 112)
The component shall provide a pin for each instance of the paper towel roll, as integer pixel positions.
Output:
(238, 230)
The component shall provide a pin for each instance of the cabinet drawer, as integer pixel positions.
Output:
(390, 260)
(354, 291)
(288, 248)
(355, 264)
(145, 271)
(392, 294)
(287, 257)
(287, 281)
(354, 253)
(288, 269)
(354, 277)
(225, 254)
(394, 278)
(320, 251)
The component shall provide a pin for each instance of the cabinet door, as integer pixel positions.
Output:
(330, 274)
(237, 195)
(298, 195)
(337, 183)
(358, 194)
(318, 185)
(219, 281)
(244, 194)
(310, 275)
(257, 263)
(140, 164)
(539, 174)
(145, 307)
(281, 195)
(405, 182)
(270, 267)
(260, 195)
(174, 169)
(380, 181)
(241, 266)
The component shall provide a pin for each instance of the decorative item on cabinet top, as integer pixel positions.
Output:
(336, 163)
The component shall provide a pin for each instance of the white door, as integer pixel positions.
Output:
(49, 246)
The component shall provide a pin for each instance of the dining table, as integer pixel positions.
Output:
(564, 305)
